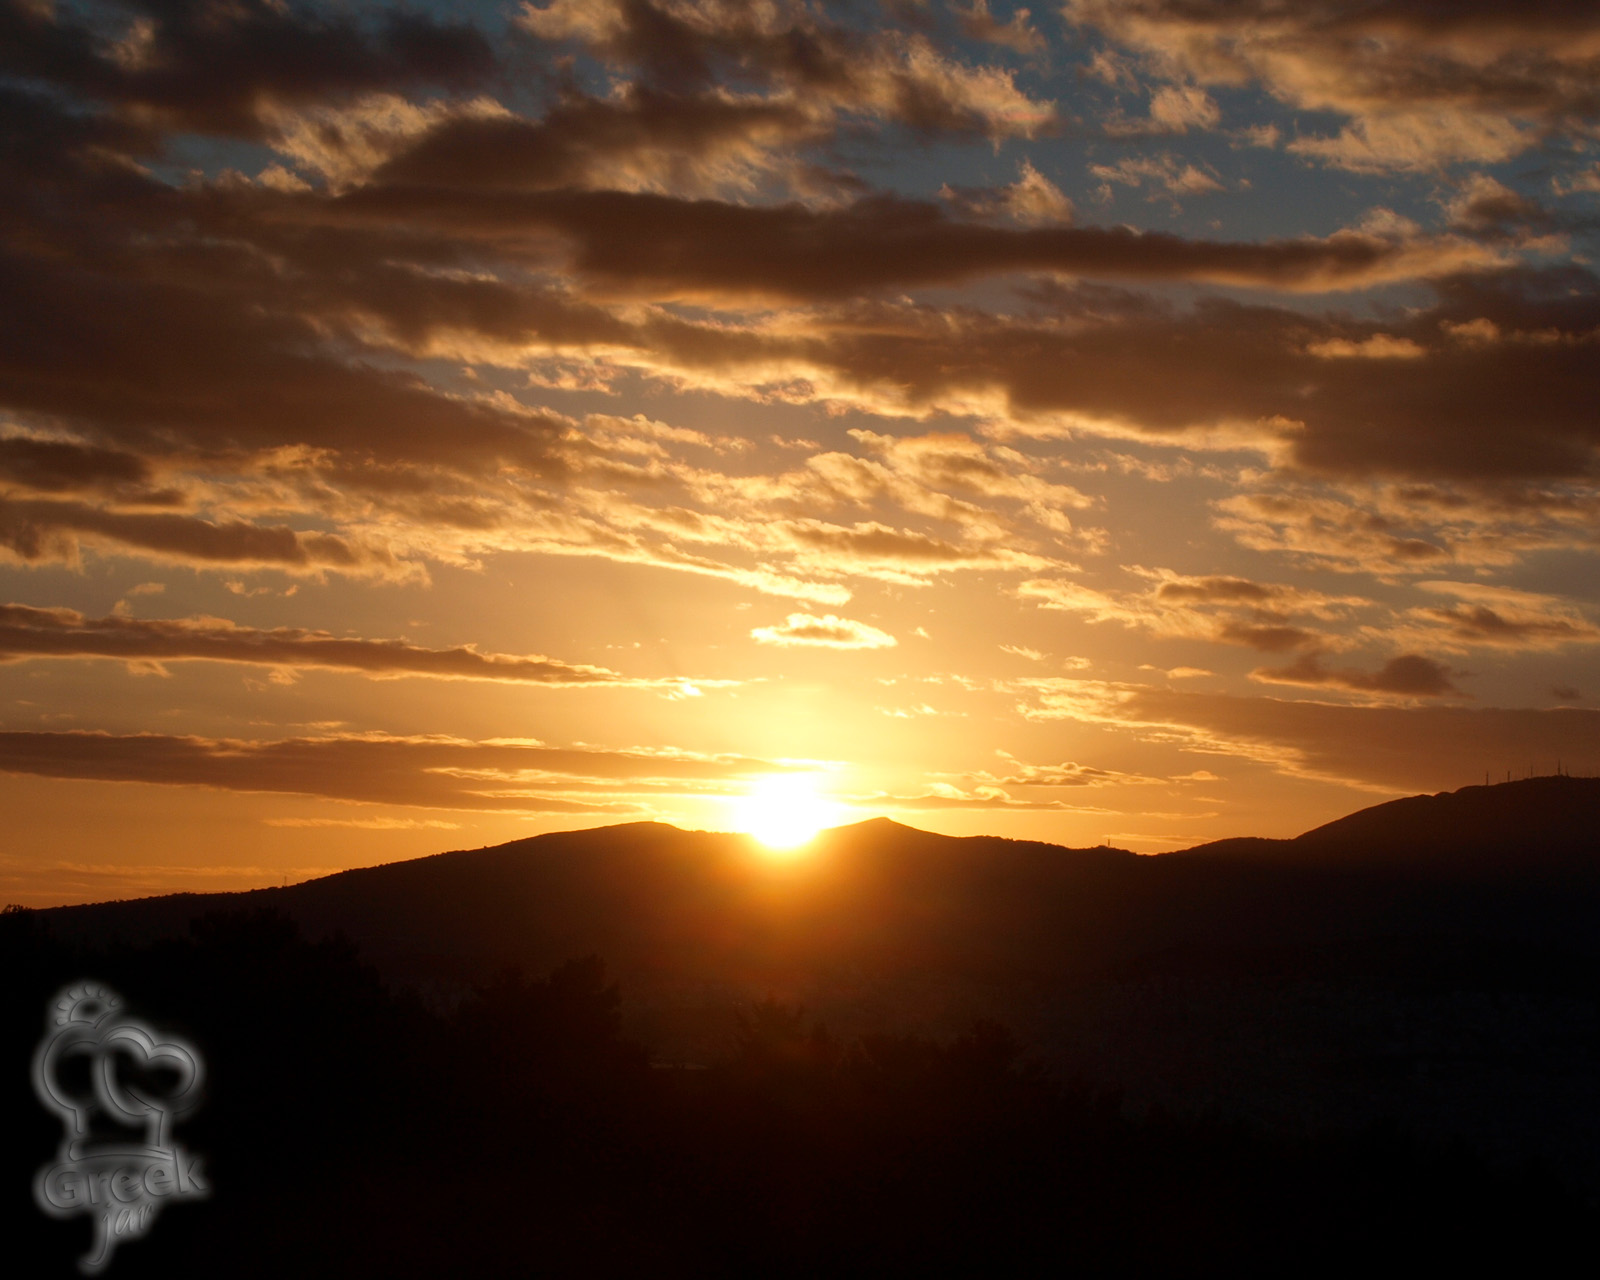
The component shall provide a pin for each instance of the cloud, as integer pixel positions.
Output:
(1380, 346)
(1217, 607)
(420, 772)
(1183, 107)
(59, 466)
(227, 371)
(898, 555)
(1032, 200)
(218, 68)
(662, 247)
(1418, 85)
(793, 51)
(943, 795)
(27, 632)
(1268, 637)
(1504, 618)
(1409, 676)
(1067, 774)
(1491, 383)
(1486, 204)
(1072, 597)
(1018, 35)
(45, 531)
(1387, 748)
(224, 415)
(1397, 530)
(1165, 172)
(1219, 589)
(828, 631)
(1585, 180)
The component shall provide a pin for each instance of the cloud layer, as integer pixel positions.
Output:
(793, 347)
(63, 633)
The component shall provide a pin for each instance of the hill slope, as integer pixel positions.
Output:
(1509, 829)
(1517, 861)
(1434, 957)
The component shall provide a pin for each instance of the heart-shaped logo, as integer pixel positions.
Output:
(117, 1086)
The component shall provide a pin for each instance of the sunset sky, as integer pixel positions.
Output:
(1131, 420)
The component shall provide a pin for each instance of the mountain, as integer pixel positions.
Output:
(1545, 824)
(1515, 863)
(1434, 958)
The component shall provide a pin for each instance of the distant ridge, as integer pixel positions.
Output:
(1547, 823)
(666, 906)
(1433, 957)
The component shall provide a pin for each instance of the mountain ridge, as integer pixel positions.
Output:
(1290, 979)
(658, 900)
(1556, 816)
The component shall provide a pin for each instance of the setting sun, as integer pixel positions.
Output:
(783, 811)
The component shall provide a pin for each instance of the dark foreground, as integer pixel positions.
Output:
(349, 1131)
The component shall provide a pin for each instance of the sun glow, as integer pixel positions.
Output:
(783, 811)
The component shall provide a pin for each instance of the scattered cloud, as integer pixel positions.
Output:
(1418, 87)
(1409, 675)
(1032, 200)
(1164, 172)
(1391, 748)
(27, 632)
(428, 772)
(827, 632)
(1503, 618)
(1018, 34)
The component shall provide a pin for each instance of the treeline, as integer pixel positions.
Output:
(349, 1130)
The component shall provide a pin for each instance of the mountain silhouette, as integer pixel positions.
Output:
(1432, 961)
(1513, 862)
(1508, 830)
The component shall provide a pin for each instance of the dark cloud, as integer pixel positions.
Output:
(665, 246)
(1485, 204)
(256, 330)
(641, 137)
(52, 531)
(799, 51)
(55, 466)
(154, 362)
(1426, 748)
(215, 66)
(1410, 675)
(1217, 590)
(1270, 637)
(27, 632)
(433, 773)
(1494, 382)
(1481, 625)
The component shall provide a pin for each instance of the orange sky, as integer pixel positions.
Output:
(1130, 421)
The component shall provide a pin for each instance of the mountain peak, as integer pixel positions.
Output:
(1534, 822)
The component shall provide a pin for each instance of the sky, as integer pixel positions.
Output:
(1142, 421)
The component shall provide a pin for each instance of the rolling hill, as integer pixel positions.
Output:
(1514, 862)
(1433, 958)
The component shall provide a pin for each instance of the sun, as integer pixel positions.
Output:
(783, 811)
